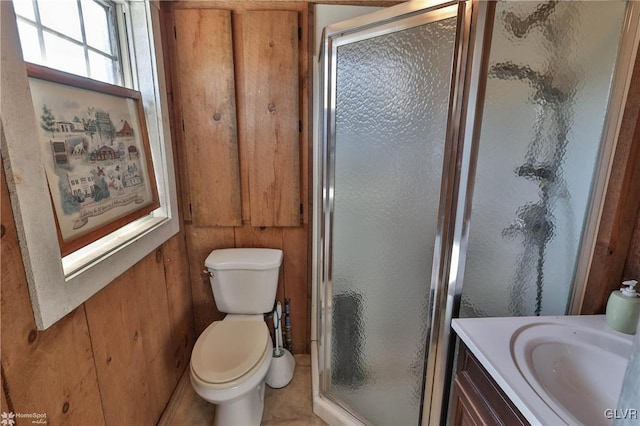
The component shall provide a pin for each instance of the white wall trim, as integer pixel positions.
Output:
(57, 287)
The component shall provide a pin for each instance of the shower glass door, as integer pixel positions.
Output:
(388, 105)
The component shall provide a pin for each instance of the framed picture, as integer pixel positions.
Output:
(96, 154)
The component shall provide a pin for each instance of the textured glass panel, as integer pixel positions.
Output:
(391, 114)
(550, 73)
(61, 16)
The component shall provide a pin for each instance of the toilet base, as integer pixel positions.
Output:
(245, 411)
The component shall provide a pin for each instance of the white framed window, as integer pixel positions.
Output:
(76, 36)
(132, 58)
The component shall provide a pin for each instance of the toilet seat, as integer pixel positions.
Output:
(227, 350)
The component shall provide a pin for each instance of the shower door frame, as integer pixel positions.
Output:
(398, 18)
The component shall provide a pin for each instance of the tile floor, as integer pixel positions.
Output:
(290, 405)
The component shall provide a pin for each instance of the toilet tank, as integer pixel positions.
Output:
(244, 280)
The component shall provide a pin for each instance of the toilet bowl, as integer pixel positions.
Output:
(229, 363)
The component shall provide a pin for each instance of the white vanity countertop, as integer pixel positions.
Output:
(490, 340)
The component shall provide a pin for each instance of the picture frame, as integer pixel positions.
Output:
(100, 172)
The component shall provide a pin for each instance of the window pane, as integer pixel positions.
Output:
(102, 68)
(64, 55)
(96, 26)
(30, 43)
(80, 43)
(61, 16)
(24, 8)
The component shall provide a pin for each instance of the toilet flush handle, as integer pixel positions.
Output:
(208, 273)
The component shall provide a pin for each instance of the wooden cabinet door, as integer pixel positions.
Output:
(205, 74)
(257, 67)
(468, 408)
(269, 125)
(477, 399)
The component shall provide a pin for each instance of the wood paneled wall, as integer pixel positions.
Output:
(632, 260)
(617, 252)
(115, 359)
(239, 82)
(631, 182)
(632, 263)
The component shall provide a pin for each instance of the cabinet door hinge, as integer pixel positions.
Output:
(183, 125)
(299, 33)
(190, 209)
(175, 32)
(300, 126)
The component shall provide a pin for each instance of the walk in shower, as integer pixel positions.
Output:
(459, 170)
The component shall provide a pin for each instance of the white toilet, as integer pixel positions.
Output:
(231, 357)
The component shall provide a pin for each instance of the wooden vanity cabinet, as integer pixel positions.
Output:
(477, 399)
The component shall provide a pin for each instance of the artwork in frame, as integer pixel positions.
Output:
(96, 154)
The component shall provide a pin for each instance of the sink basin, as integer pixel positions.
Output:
(577, 371)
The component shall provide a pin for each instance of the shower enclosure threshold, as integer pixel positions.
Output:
(323, 407)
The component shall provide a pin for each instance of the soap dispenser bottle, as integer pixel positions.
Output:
(623, 308)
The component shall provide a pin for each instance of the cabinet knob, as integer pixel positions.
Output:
(271, 107)
(217, 116)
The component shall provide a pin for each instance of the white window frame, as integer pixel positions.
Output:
(119, 53)
(58, 285)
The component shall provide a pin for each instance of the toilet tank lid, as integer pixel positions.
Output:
(244, 258)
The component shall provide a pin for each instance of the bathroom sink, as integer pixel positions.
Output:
(577, 371)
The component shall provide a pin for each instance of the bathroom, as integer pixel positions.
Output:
(124, 336)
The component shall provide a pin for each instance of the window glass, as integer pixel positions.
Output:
(75, 36)
(101, 67)
(98, 33)
(30, 42)
(64, 55)
(61, 16)
(24, 8)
